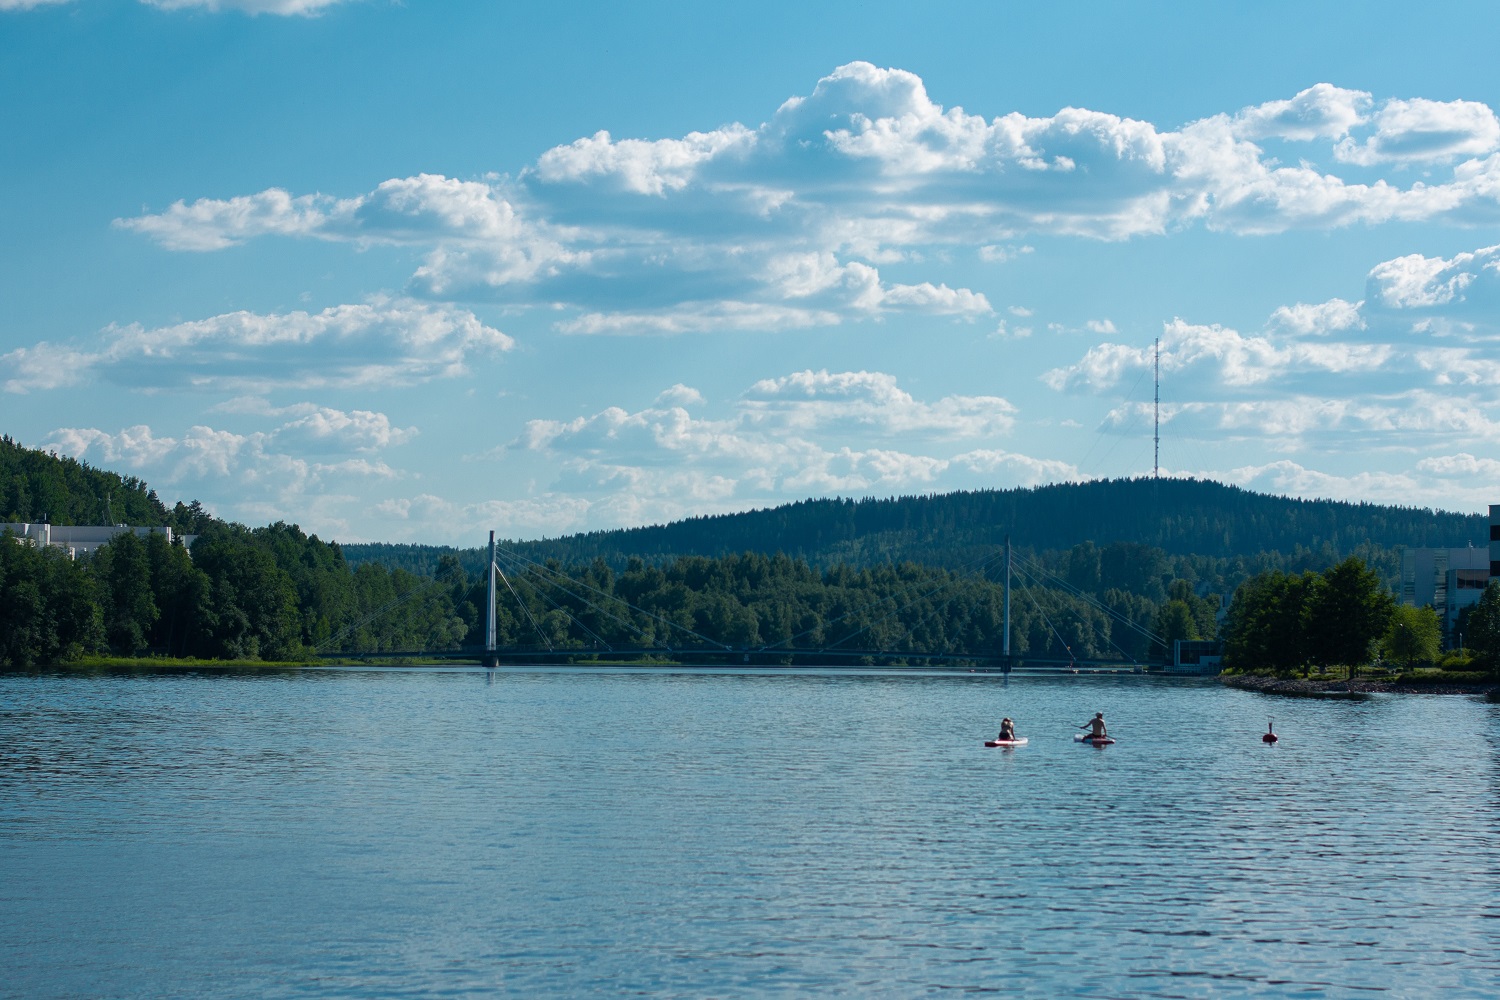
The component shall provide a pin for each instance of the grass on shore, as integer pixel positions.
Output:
(100, 663)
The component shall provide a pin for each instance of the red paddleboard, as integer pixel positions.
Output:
(1082, 738)
(1006, 743)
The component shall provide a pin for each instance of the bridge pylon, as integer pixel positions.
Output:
(491, 656)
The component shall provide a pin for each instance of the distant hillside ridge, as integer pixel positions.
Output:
(1179, 516)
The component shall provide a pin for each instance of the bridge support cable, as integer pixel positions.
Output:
(574, 618)
(1058, 583)
(1109, 639)
(1032, 586)
(1037, 583)
(912, 631)
(538, 569)
(517, 558)
(524, 609)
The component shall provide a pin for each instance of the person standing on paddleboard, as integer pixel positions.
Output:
(1096, 725)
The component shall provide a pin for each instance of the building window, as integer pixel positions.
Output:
(1471, 579)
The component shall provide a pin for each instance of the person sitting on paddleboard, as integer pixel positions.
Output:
(1096, 725)
(1007, 730)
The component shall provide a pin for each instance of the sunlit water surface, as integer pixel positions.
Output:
(564, 833)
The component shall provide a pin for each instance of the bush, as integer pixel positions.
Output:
(1441, 678)
(1458, 660)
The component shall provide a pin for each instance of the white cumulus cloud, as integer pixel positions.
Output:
(1458, 295)
(306, 8)
(1219, 356)
(809, 432)
(1412, 367)
(312, 464)
(1422, 131)
(809, 399)
(783, 224)
(1322, 111)
(393, 342)
(1332, 316)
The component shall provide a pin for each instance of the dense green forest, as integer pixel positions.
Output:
(275, 593)
(1110, 570)
(1183, 517)
(1215, 536)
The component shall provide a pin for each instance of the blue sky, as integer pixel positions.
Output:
(413, 272)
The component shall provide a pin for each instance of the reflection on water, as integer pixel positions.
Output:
(463, 833)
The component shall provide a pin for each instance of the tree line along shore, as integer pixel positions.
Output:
(277, 594)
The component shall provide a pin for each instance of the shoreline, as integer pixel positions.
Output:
(1296, 687)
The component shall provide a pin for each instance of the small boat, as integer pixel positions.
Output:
(1020, 742)
(1089, 739)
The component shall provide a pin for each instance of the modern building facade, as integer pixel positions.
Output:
(1450, 580)
(1495, 539)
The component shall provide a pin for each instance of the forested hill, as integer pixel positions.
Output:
(1179, 516)
(39, 486)
(36, 486)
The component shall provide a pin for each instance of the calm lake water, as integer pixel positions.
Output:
(732, 834)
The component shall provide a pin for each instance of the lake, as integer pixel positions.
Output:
(680, 833)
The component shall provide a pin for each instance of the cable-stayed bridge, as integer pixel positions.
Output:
(667, 642)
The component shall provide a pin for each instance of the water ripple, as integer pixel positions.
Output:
(681, 834)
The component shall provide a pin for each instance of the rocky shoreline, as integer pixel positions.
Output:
(1297, 687)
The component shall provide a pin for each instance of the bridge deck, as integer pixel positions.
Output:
(760, 657)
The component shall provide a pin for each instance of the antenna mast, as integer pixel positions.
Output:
(1156, 417)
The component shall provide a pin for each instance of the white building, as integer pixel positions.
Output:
(1450, 580)
(81, 540)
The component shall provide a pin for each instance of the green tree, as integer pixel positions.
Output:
(1414, 635)
(1175, 621)
(1266, 627)
(1482, 633)
(123, 570)
(49, 606)
(182, 594)
(23, 608)
(1348, 612)
(1133, 635)
(254, 602)
(73, 600)
(1083, 567)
